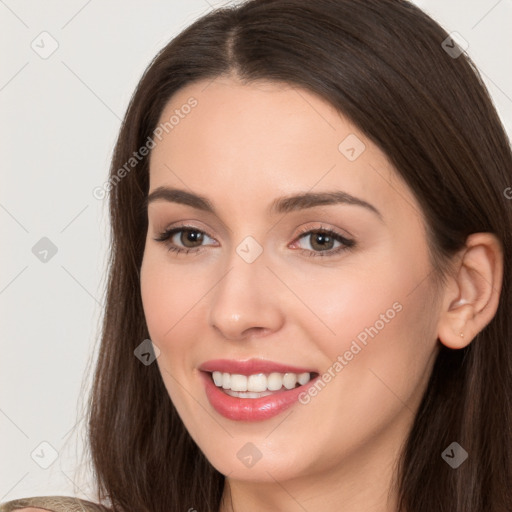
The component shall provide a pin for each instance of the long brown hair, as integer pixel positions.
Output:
(383, 64)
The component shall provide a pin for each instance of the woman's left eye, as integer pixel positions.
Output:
(321, 238)
(325, 239)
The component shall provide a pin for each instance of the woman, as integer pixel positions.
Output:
(239, 373)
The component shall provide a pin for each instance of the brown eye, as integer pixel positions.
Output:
(190, 239)
(321, 241)
(191, 236)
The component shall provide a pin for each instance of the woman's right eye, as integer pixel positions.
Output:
(188, 234)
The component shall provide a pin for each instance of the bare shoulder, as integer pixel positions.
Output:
(52, 504)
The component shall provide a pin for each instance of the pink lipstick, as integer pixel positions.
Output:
(255, 389)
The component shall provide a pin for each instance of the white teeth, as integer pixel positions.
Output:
(303, 378)
(217, 378)
(275, 381)
(238, 382)
(247, 394)
(258, 383)
(289, 380)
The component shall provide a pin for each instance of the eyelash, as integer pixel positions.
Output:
(347, 244)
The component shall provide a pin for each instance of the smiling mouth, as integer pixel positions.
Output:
(259, 385)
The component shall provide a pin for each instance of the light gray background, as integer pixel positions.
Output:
(60, 119)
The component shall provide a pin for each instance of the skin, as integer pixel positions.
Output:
(243, 146)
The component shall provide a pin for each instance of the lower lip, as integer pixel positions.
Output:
(251, 409)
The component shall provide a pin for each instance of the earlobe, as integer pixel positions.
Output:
(471, 299)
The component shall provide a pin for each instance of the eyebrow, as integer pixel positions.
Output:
(284, 204)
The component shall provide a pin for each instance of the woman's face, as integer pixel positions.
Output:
(267, 289)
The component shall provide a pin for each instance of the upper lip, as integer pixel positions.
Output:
(250, 367)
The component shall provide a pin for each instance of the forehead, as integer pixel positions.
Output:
(266, 139)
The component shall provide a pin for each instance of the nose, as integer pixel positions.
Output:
(244, 303)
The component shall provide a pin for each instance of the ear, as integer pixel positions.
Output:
(472, 294)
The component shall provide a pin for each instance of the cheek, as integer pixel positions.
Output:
(384, 333)
(168, 294)
(168, 309)
(360, 301)
(377, 331)
(378, 361)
